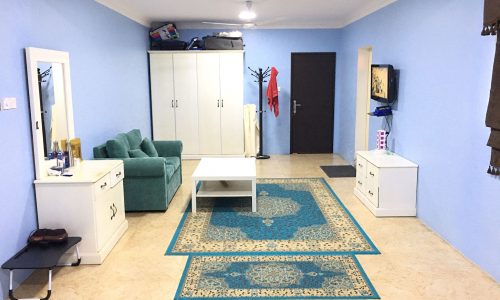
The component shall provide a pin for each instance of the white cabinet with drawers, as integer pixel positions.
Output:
(88, 204)
(386, 183)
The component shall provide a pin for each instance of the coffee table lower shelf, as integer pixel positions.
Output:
(224, 188)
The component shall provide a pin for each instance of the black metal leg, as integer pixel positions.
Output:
(11, 292)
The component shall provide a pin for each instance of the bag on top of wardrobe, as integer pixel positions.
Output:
(223, 43)
(164, 32)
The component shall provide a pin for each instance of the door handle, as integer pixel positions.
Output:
(218, 102)
(222, 103)
(295, 105)
(176, 103)
(172, 103)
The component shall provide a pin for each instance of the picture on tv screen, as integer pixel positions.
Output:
(380, 78)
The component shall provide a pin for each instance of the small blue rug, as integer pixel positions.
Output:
(275, 277)
(294, 216)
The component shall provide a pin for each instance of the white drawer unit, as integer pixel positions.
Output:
(386, 183)
(89, 204)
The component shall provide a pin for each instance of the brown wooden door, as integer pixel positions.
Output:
(312, 102)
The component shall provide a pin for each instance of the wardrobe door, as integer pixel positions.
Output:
(209, 103)
(162, 96)
(231, 87)
(186, 101)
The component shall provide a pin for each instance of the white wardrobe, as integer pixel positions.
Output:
(197, 97)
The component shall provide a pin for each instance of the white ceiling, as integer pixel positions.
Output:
(270, 13)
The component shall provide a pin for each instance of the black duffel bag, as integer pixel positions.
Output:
(223, 43)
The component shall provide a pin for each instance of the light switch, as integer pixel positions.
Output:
(8, 103)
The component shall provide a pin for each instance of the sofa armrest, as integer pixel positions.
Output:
(168, 148)
(144, 167)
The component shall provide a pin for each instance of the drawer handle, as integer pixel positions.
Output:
(372, 174)
(119, 174)
(360, 182)
(370, 192)
(104, 185)
(114, 210)
(360, 165)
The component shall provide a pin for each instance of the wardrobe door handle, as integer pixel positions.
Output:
(112, 211)
(360, 183)
(370, 192)
(372, 174)
(118, 174)
(222, 103)
(176, 103)
(104, 185)
(172, 103)
(218, 102)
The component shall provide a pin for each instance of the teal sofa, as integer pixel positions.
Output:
(153, 169)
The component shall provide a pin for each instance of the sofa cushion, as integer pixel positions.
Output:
(116, 149)
(100, 151)
(134, 138)
(170, 170)
(137, 153)
(148, 147)
(174, 161)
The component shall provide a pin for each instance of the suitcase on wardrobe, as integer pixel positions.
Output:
(223, 43)
(169, 45)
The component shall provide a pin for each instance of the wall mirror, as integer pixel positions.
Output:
(51, 106)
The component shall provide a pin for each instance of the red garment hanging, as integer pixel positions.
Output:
(272, 92)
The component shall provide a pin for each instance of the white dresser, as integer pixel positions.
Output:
(89, 204)
(386, 183)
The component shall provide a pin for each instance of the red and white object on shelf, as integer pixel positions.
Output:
(381, 140)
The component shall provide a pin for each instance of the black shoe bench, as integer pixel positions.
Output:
(45, 256)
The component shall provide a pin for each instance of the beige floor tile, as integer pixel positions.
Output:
(415, 263)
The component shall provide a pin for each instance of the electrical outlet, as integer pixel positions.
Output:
(8, 103)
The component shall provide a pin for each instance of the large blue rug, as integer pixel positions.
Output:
(294, 216)
(275, 277)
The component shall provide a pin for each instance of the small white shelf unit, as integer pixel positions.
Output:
(386, 183)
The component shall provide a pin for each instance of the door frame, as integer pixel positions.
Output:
(363, 77)
(291, 94)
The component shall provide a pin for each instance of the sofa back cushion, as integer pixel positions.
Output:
(148, 147)
(100, 151)
(134, 139)
(118, 147)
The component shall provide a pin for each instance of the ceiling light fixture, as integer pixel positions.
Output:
(247, 14)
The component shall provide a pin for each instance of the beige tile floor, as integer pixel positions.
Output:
(415, 263)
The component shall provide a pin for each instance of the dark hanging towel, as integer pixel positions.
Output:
(490, 27)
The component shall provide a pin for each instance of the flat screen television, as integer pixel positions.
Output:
(383, 83)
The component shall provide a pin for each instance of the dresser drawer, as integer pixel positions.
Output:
(372, 175)
(360, 173)
(102, 185)
(371, 193)
(116, 175)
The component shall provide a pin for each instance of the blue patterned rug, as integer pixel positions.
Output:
(294, 216)
(275, 277)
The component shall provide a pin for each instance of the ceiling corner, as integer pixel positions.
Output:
(125, 12)
(365, 11)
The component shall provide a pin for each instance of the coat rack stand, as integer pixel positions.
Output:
(261, 75)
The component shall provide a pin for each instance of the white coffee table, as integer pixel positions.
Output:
(225, 177)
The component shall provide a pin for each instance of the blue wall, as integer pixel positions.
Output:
(109, 75)
(445, 74)
(265, 47)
